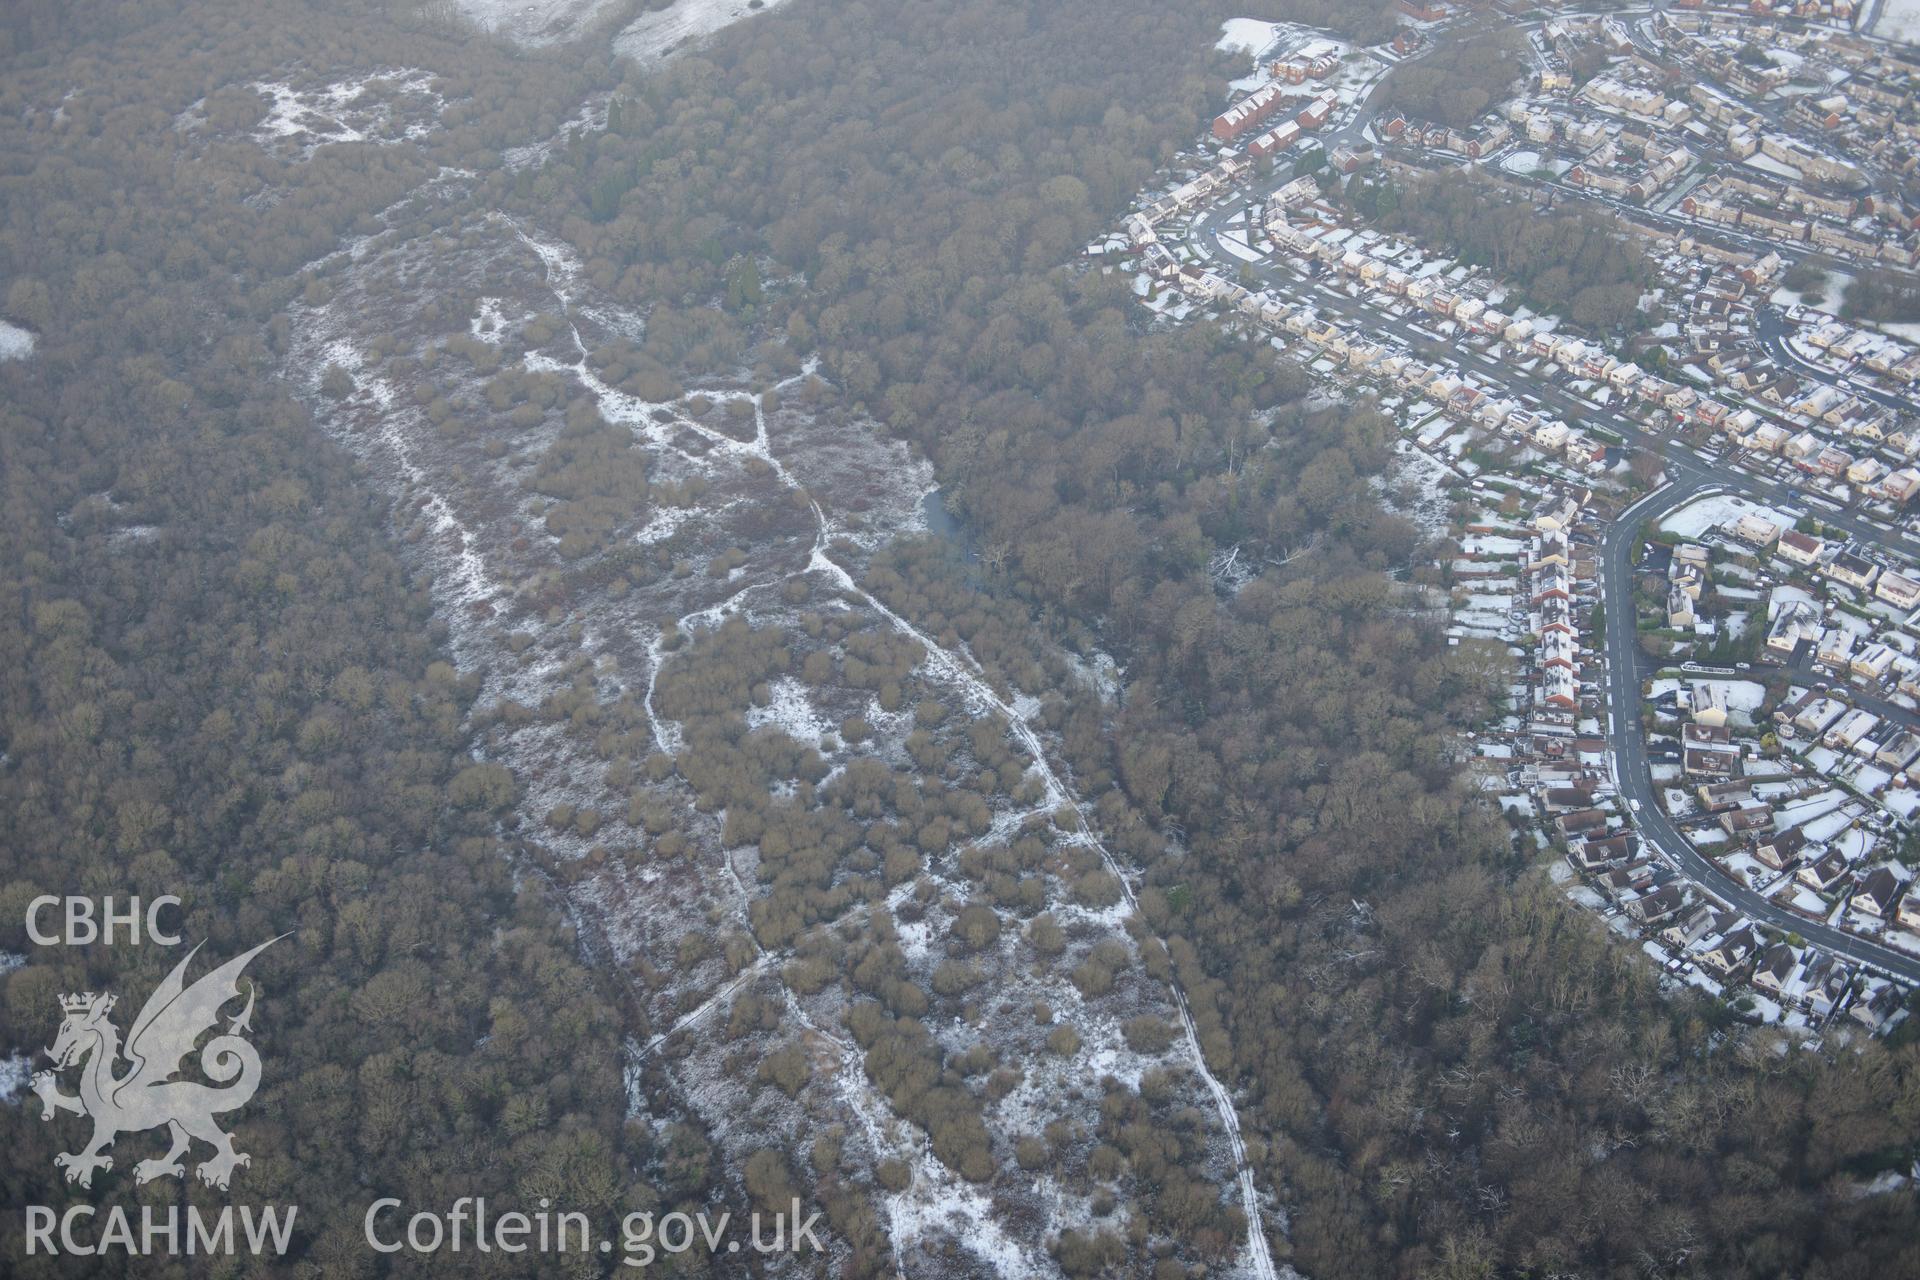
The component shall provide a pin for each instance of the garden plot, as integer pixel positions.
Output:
(1235, 244)
(1530, 163)
(1801, 812)
(1902, 802)
(1826, 827)
(1492, 545)
(1744, 698)
(1870, 779)
(1853, 844)
(1434, 430)
(1747, 869)
(1797, 897)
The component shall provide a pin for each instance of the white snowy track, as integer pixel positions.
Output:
(563, 273)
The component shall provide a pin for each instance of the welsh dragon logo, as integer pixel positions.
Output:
(147, 1095)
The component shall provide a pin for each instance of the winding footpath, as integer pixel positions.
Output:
(563, 273)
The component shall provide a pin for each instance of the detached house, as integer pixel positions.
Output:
(1781, 849)
(1799, 548)
(1731, 952)
(1877, 1009)
(1902, 749)
(1651, 908)
(1878, 893)
(1898, 590)
(1707, 751)
(1826, 875)
(1581, 822)
(1775, 968)
(1717, 797)
(1748, 817)
(1853, 570)
(1824, 985)
(1694, 925)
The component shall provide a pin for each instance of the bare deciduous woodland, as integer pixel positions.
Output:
(725, 736)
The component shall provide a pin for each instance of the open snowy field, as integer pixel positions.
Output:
(534, 22)
(1716, 510)
(649, 36)
(15, 343)
(1250, 36)
(1899, 20)
(656, 34)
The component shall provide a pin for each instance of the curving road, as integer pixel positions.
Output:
(1772, 329)
(1689, 474)
(1682, 464)
(1633, 775)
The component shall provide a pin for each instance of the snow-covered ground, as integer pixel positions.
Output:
(470, 522)
(1825, 295)
(15, 343)
(1525, 163)
(590, 118)
(1899, 20)
(1741, 695)
(1237, 246)
(14, 1074)
(1767, 164)
(1827, 826)
(1415, 487)
(533, 22)
(1785, 594)
(384, 107)
(652, 35)
(656, 34)
(1247, 35)
(1802, 899)
(1716, 510)
(1807, 810)
(789, 710)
